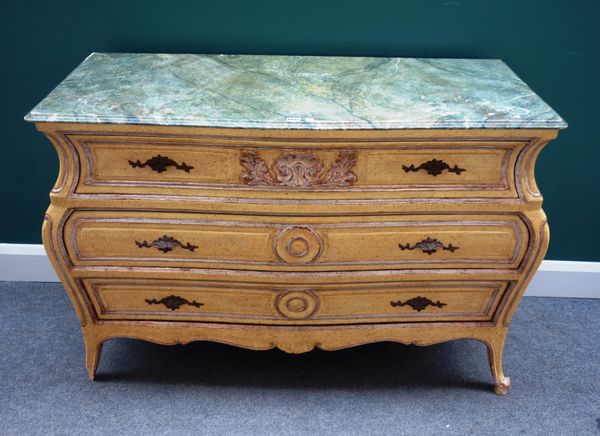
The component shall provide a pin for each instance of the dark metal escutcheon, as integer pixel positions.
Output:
(165, 244)
(429, 246)
(434, 167)
(160, 164)
(418, 303)
(174, 302)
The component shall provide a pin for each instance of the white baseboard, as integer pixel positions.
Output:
(555, 278)
(561, 278)
(25, 263)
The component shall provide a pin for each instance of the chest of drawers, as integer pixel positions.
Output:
(295, 202)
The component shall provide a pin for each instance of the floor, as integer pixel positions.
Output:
(552, 355)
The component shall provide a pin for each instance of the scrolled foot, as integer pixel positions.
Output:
(501, 388)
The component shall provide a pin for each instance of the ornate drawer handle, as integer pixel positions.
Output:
(434, 167)
(165, 244)
(160, 163)
(429, 246)
(418, 303)
(174, 302)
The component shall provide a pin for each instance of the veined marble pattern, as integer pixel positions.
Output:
(295, 92)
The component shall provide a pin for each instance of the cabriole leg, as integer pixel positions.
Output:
(93, 351)
(494, 349)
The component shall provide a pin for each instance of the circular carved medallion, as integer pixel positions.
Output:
(298, 245)
(297, 304)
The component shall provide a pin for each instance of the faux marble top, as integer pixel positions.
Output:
(295, 92)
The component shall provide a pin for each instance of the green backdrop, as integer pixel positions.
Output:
(552, 45)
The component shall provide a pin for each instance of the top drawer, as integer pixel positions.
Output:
(281, 168)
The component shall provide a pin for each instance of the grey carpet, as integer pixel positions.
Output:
(552, 355)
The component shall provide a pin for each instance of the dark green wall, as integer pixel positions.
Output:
(552, 45)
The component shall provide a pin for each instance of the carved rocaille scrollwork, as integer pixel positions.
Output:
(299, 170)
(429, 246)
(165, 244)
(256, 172)
(434, 167)
(174, 302)
(340, 173)
(160, 164)
(418, 303)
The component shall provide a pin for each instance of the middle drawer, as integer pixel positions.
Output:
(191, 240)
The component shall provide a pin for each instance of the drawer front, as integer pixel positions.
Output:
(277, 168)
(187, 240)
(281, 304)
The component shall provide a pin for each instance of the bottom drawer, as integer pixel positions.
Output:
(145, 299)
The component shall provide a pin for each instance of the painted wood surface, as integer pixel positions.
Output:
(308, 256)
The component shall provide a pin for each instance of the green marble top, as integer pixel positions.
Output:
(295, 92)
